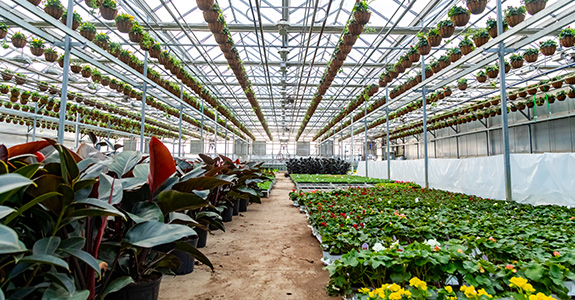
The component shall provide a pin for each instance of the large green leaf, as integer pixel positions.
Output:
(85, 257)
(124, 162)
(199, 183)
(195, 253)
(116, 285)
(45, 259)
(11, 182)
(9, 242)
(142, 171)
(5, 210)
(59, 293)
(172, 200)
(46, 246)
(68, 166)
(152, 233)
(110, 187)
(534, 272)
(146, 211)
(108, 208)
(28, 171)
(31, 204)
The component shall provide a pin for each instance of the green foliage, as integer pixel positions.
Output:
(492, 23)
(4, 27)
(531, 51)
(54, 3)
(444, 23)
(18, 35)
(481, 33)
(567, 32)
(75, 16)
(548, 43)
(514, 11)
(516, 57)
(109, 4)
(462, 81)
(458, 10)
(37, 43)
(492, 68)
(88, 26)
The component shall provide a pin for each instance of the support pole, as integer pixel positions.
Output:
(503, 87)
(366, 146)
(424, 101)
(216, 135)
(65, 75)
(180, 132)
(77, 129)
(387, 138)
(143, 111)
(202, 130)
(35, 122)
(352, 157)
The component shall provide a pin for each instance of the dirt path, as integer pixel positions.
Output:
(267, 252)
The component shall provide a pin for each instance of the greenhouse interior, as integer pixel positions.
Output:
(287, 149)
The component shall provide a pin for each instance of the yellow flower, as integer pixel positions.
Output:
(363, 290)
(395, 296)
(528, 288)
(463, 288)
(407, 293)
(449, 289)
(518, 282)
(417, 283)
(482, 292)
(394, 287)
(470, 292)
(540, 296)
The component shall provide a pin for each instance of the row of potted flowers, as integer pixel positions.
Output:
(213, 15)
(354, 28)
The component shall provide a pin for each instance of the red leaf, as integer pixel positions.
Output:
(162, 165)
(3, 153)
(74, 155)
(27, 148)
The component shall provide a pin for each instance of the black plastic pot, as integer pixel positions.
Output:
(243, 205)
(228, 213)
(236, 207)
(186, 260)
(147, 290)
(202, 237)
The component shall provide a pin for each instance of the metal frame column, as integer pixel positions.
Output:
(352, 157)
(387, 139)
(77, 129)
(503, 87)
(65, 75)
(143, 111)
(366, 146)
(216, 134)
(424, 101)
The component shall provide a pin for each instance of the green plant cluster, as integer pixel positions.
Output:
(351, 179)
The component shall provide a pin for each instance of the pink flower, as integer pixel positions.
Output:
(556, 254)
(509, 267)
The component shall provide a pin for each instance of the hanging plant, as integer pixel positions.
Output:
(480, 37)
(514, 15)
(534, 6)
(136, 33)
(218, 26)
(108, 9)
(204, 5)
(422, 45)
(454, 54)
(114, 49)
(557, 82)
(531, 55)
(476, 7)
(20, 79)
(88, 31)
(492, 27)
(211, 15)
(481, 76)
(561, 95)
(354, 28)
(3, 30)
(446, 28)
(124, 22)
(544, 85)
(516, 61)
(18, 40)
(14, 92)
(75, 67)
(567, 37)
(54, 8)
(37, 46)
(492, 71)
(4, 89)
(433, 37)
(462, 84)
(76, 19)
(361, 12)
(459, 16)
(86, 71)
(466, 45)
(548, 47)
(102, 40)
(43, 86)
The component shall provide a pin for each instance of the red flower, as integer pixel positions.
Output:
(324, 224)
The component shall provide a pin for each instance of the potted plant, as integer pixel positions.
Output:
(445, 28)
(492, 27)
(422, 45)
(480, 37)
(37, 47)
(522, 92)
(516, 61)
(124, 22)
(459, 16)
(492, 71)
(530, 55)
(361, 12)
(466, 45)
(571, 93)
(7, 75)
(211, 15)
(413, 54)
(567, 37)
(444, 61)
(454, 54)
(548, 47)
(14, 92)
(534, 6)
(544, 85)
(476, 7)
(354, 28)
(561, 95)
(24, 96)
(514, 15)
(557, 82)
(4, 89)
(447, 91)
(102, 40)
(76, 19)
(433, 37)
(114, 49)
(20, 78)
(86, 71)
(218, 26)
(3, 30)
(43, 86)
(18, 40)
(108, 9)
(54, 8)
(435, 67)
(462, 84)
(50, 55)
(481, 76)
(75, 67)
(507, 66)
(532, 89)
(204, 5)
(88, 31)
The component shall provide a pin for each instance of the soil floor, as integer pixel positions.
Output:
(267, 252)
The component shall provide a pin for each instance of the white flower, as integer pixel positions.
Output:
(378, 247)
(432, 243)
(394, 244)
(416, 199)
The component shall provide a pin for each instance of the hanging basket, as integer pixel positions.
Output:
(55, 12)
(516, 64)
(480, 41)
(492, 74)
(535, 6)
(466, 49)
(548, 51)
(434, 40)
(414, 57)
(570, 80)
(211, 16)
(362, 17)
(460, 20)
(406, 63)
(455, 57)
(557, 84)
(349, 39)
(37, 51)
(19, 43)
(462, 87)
(355, 29)
(477, 7)
(204, 5)
(216, 27)
(76, 69)
(446, 31)
(530, 58)
(567, 41)
(124, 26)
(424, 50)
(481, 78)
(514, 20)
(86, 73)
(3, 33)
(75, 24)
(108, 13)
(89, 35)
